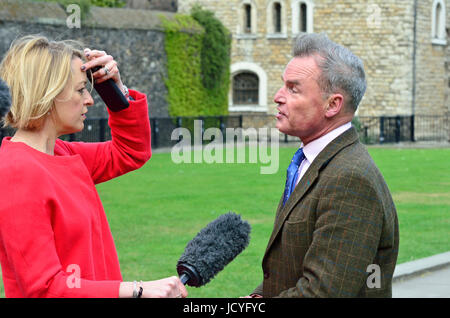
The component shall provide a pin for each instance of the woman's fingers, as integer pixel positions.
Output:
(109, 68)
(108, 71)
(98, 61)
(92, 54)
(170, 287)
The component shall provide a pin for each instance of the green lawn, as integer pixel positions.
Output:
(155, 211)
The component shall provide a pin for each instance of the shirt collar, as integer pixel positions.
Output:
(313, 149)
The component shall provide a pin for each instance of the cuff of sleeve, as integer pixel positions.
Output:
(136, 95)
(258, 290)
(138, 107)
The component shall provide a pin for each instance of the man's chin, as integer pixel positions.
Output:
(281, 128)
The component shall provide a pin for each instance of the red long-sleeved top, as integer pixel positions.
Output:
(55, 240)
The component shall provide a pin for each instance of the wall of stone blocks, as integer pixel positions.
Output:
(134, 38)
(380, 32)
(160, 5)
(432, 75)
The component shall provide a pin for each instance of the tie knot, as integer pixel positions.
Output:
(298, 157)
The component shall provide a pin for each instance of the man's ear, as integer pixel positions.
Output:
(335, 105)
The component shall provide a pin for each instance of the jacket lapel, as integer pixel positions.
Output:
(308, 179)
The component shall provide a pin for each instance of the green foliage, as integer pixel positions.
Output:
(198, 63)
(109, 3)
(215, 55)
(361, 130)
(186, 94)
(85, 5)
(88, 3)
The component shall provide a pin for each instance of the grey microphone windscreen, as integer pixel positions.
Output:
(214, 247)
(5, 99)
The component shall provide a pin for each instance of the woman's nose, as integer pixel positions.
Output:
(89, 101)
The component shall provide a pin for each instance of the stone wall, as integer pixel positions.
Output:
(380, 32)
(448, 76)
(432, 77)
(162, 5)
(134, 38)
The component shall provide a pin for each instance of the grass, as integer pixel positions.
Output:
(154, 211)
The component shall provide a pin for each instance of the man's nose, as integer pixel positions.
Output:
(279, 97)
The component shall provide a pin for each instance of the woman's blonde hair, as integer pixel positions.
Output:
(36, 71)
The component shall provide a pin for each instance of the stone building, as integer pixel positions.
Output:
(403, 44)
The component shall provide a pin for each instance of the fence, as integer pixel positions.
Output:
(372, 130)
(394, 129)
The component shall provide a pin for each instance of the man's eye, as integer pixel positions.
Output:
(292, 89)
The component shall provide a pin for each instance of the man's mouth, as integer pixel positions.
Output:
(280, 114)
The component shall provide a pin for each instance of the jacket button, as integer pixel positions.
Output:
(266, 275)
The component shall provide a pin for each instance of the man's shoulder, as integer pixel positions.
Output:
(353, 160)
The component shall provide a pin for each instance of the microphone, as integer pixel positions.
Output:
(212, 249)
(5, 99)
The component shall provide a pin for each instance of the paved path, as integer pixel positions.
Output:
(431, 284)
(425, 278)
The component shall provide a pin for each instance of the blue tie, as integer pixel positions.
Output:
(292, 173)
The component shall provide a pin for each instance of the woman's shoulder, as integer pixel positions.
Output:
(16, 161)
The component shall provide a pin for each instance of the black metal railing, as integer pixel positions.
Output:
(394, 129)
(372, 130)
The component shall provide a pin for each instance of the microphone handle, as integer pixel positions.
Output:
(184, 278)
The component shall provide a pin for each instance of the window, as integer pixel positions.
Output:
(438, 16)
(248, 90)
(302, 16)
(245, 89)
(277, 17)
(247, 18)
(276, 27)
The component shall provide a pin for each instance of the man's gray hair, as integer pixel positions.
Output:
(342, 71)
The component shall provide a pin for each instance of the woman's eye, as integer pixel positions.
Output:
(81, 91)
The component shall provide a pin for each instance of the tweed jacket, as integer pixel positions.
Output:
(337, 235)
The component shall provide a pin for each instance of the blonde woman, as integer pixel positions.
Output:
(55, 240)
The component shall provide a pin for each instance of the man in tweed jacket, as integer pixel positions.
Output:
(337, 233)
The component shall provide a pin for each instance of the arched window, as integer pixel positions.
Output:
(245, 89)
(247, 18)
(277, 17)
(302, 16)
(438, 16)
(248, 89)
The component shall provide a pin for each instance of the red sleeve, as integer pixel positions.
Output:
(129, 148)
(28, 241)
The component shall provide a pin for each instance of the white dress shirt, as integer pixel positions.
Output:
(313, 149)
